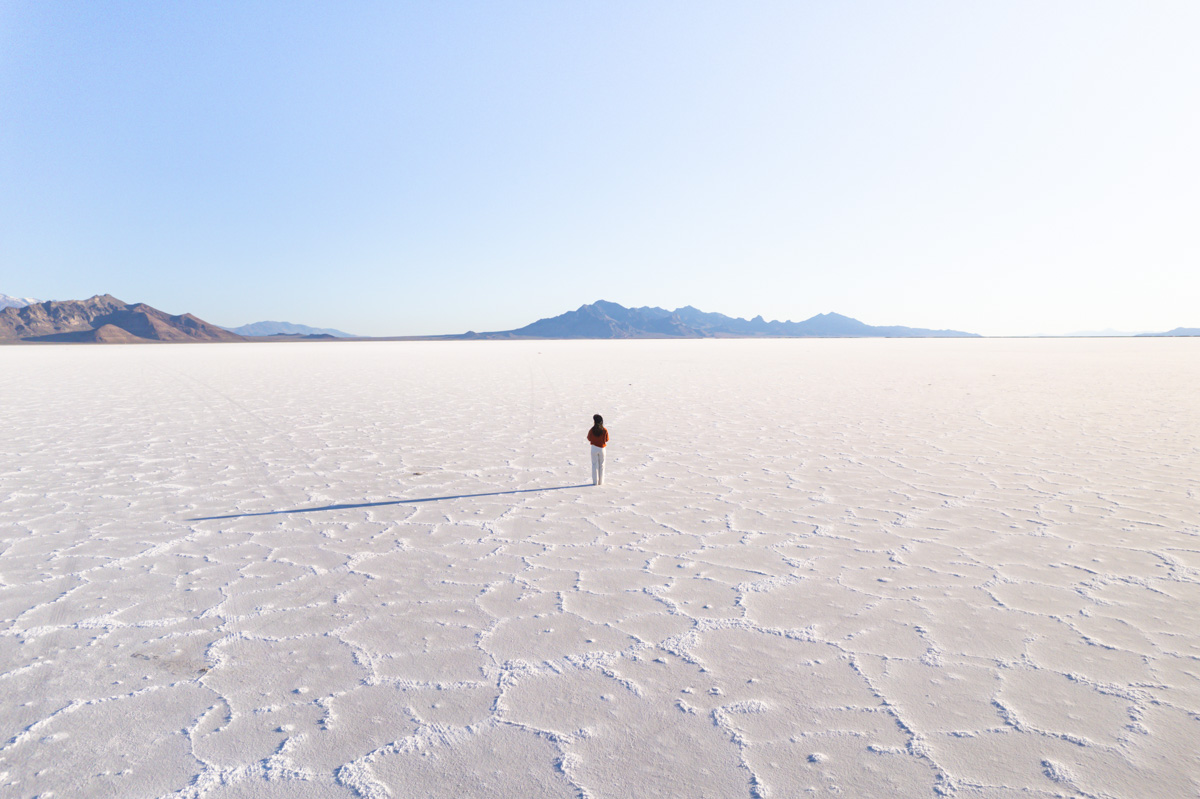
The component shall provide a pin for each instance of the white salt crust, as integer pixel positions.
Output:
(870, 568)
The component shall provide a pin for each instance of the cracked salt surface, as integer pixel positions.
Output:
(870, 568)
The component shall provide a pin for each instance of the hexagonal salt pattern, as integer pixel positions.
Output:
(865, 568)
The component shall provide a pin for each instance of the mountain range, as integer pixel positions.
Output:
(1179, 331)
(104, 319)
(287, 329)
(609, 320)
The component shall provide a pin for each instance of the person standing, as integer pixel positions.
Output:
(598, 437)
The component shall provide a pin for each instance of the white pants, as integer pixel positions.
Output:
(597, 465)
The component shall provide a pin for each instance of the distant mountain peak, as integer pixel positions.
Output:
(287, 329)
(16, 302)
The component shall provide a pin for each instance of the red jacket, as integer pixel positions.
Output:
(598, 441)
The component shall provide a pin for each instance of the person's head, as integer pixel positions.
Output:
(598, 419)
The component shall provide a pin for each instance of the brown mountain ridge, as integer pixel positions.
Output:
(104, 319)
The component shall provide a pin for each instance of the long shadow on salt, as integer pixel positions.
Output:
(382, 504)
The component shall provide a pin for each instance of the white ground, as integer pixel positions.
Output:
(879, 568)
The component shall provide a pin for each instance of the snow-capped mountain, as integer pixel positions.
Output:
(16, 302)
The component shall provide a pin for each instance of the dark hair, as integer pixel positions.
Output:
(598, 427)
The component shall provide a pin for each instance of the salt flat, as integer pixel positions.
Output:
(874, 568)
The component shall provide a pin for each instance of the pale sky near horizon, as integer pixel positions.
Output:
(1003, 168)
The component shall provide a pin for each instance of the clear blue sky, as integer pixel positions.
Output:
(419, 168)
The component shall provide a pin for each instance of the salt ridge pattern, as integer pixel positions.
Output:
(873, 568)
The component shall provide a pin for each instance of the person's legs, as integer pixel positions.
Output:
(596, 465)
(600, 466)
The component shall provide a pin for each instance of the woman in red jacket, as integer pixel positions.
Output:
(598, 438)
